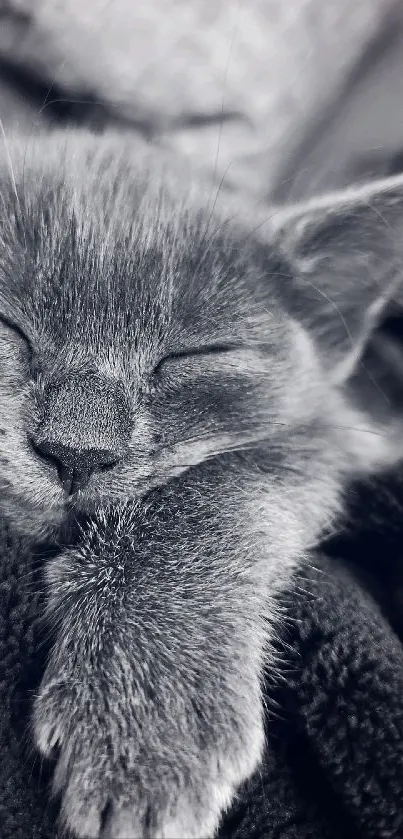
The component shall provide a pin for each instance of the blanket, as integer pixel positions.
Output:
(333, 766)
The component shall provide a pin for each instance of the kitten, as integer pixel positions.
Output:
(186, 382)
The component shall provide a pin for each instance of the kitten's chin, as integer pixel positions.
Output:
(53, 522)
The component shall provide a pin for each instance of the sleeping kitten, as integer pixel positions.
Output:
(188, 384)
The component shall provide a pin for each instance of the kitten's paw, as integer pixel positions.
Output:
(192, 814)
(118, 781)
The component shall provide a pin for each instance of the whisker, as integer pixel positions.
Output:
(255, 438)
(225, 80)
(13, 180)
(9, 162)
(210, 212)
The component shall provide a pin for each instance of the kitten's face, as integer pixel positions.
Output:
(137, 338)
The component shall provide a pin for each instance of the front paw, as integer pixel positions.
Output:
(124, 775)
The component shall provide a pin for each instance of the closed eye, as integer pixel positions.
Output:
(193, 352)
(17, 330)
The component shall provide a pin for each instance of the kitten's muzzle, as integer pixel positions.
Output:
(85, 428)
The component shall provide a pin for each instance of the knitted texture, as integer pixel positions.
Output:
(333, 767)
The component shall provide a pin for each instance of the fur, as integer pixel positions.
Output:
(139, 319)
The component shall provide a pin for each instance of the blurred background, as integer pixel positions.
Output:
(281, 98)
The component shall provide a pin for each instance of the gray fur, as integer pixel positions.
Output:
(235, 443)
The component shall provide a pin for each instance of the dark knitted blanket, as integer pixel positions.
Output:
(334, 762)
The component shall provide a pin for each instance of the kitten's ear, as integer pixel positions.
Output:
(346, 287)
(346, 258)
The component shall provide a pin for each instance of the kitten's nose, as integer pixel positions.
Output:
(85, 428)
(75, 466)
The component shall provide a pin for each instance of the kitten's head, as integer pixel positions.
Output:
(142, 334)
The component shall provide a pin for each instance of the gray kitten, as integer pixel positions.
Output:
(187, 382)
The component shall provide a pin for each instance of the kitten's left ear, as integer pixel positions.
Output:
(345, 253)
(345, 285)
